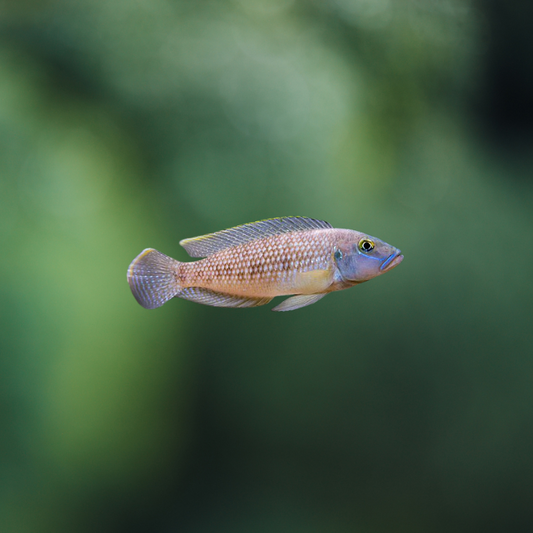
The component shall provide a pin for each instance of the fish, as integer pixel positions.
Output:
(249, 265)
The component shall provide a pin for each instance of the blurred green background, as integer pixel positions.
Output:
(403, 405)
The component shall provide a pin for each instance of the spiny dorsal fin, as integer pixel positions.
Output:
(214, 242)
(219, 299)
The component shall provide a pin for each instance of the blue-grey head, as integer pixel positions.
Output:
(360, 257)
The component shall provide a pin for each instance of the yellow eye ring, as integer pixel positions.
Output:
(366, 245)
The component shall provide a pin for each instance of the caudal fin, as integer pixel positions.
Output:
(152, 278)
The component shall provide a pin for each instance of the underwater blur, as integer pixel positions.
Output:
(404, 404)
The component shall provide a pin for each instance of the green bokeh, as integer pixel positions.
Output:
(402, 405)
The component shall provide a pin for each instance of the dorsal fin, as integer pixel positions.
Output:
(214, 242)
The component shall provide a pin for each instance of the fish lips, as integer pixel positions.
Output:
(392, 261)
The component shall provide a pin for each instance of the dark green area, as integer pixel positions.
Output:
(402, 405)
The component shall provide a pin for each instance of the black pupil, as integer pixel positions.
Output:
(367, 246)
(338, 254)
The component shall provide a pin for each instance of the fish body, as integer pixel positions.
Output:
(249, 265)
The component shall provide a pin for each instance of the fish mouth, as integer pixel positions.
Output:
(392, 261)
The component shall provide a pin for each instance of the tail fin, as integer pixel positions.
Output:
(152, 278)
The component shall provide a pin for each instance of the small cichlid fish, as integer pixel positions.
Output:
(248, 265)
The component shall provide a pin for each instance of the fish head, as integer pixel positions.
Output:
(360, 257)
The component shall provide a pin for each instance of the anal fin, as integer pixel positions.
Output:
(219, 299)
(295, 302)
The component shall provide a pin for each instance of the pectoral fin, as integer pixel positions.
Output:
(295, 302)
(219, 299)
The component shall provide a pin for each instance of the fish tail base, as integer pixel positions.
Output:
(152, 277)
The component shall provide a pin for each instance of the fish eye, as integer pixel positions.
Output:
(337, 254)
(366, 245)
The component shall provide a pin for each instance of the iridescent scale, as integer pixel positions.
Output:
(264, 267)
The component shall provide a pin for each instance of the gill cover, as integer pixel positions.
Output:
(362, 257)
